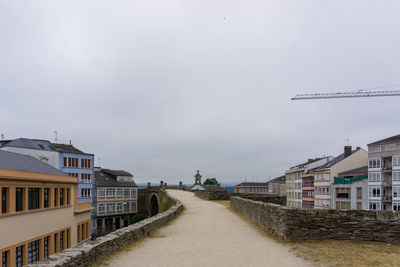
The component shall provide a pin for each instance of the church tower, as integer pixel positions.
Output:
(197, 177)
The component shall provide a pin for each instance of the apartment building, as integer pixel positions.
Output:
(294, 191)
(324, 175)
(115, 202)
(308, 191)
(40, 214)
(277, 186)
(350, 190)
(384, 174)
(251, 187)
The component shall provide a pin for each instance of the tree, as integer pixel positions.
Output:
(211, 181)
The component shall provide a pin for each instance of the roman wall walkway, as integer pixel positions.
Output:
(206, 234)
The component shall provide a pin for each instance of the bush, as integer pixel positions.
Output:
(138, 217)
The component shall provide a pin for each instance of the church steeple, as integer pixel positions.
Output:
(197, 177)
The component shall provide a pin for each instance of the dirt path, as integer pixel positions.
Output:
(207, 234)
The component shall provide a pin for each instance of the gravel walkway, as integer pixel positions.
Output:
(206, 234)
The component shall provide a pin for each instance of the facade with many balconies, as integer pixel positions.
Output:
(384, 174)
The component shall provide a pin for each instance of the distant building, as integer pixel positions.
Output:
(251, 187)
(350, 190)
(115, 200)
(294, 180)
(384, 174)
(40, 212)
(324, 175)
(277, 186)
(197, 186)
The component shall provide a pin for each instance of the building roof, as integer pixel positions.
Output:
(14, 161)
(280, 179)
(335, 160)
(37, 144)
(252, 184)
(392, 139)
(103, 179)
(306, 163)
(117, 172)
(197, 187)
(362, 170)
(66, 148)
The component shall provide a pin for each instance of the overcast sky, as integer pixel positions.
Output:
(163, 88)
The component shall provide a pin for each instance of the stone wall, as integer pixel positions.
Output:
(268, 198)
(212, 195)
(91, 251)
(318, 224)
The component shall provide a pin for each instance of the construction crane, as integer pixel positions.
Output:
(359, 93)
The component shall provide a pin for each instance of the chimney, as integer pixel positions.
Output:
(347, 151)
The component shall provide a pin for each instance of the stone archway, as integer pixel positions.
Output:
(154, 205)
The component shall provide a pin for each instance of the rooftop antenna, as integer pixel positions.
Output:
(55, 138)
(2, 136)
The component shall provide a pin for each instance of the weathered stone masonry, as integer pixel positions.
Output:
(89, 252)
(318, 224)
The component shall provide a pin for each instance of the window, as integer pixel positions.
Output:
(46, 193)
(86, 178)
(127, 193)
(19, 199)
(61, 196)
(359, 205)
(374, 177)
(55, 196)
(374, 163)
(33, 198)
(110, 207)
(99, 226)
(33, 251)
(101, 208)
(374, 205)
(101, 193)
(70, 162)
(120, 206)
(85, 163)
(133, 192)
(133, 206)
(73, 174)
(119, 193)
(4, 259)
(383, 147)
(19, 259)
(398, 146)
(68, 238)
(359, 193)
(55, 243)
(396, 161)
(375, 192)
(46, 247)
(62, 241)
(396, 206)
(110, 192)
(126, 206)
(375, 149)
(86, 192)
(4, 200)
(396, 176)
(396, 191)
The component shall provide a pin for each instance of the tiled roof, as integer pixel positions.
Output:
(103, 179)
(67, 148)
(362, 170)
(117, 172)
(30, 144)
(14, 161)
(335, 160)
(392, 139)
(306, 163)
(252, 184)
(280, 179)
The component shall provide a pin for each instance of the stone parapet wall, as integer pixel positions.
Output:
(318, 224)
(212, 195)
(269, 198)
(91, 251)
